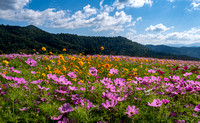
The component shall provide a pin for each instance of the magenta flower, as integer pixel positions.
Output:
(72, 75)
(65, 108)
(165, 101)
(23, 109)
(64, 120)
(181, 121)
(109, 104)
(33, 72)
(197, 108)
(155, 103)
(173, 114)
(113, 71)
(198, 76)
(31, 62)
(119, 82)
(131, 110)
(73, 88)
(93, 71)
(43, 88)
(187, 74)
(151, 71)
(56, 118)
(195, 115)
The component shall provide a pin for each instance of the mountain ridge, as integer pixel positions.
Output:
(188, 51)
(15, 39)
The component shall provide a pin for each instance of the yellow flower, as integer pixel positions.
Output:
(102, 48)
(117, 59)
(48, 56)
(34, 50)
(106, 59)
(43, 74)
(59, 62)
(5, 62)
(44, 48)
(45, 58)
(134, 73)
(107, 66)
(126, 70)
(81, 81)
(80, 63)
(75, 70)
(108, 75)
(64, 68)
(61, 57)
(50, 53)
(5, 72)
(73, 58)
(134, 69)
(64, 49)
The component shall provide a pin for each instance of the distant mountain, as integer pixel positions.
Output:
(15, 39)
(188, 51)
(184, 45)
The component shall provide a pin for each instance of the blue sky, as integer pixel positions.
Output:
(143, 21)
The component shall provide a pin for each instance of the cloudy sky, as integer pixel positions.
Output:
(143, 21)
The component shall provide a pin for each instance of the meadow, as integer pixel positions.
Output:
(64, 88)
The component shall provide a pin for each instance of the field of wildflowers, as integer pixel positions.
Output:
(95, 88)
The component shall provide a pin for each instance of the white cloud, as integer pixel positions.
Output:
(195, 4)
(89, 11)
(101, 4)
(171, 0)
(120, 4)
(13, 4)
(157, 28)
(185, 37)
(134, 22)
(31, 16)
(98, 20)
(116, 23)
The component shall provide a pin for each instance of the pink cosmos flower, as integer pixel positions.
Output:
(181, 121)
(56, 118)
(23, 109)
(72, 75)
(151, 71)
(65, 108)
(64, 120)
(165, 101)
(187, 74)
(113, 71)
(195, 115)
(33, 72)
(43, 88)
(197, 108)
(109, 104)
(155, 103)
(131, 110)
(93, 71)
(31, 62)
(198, 76)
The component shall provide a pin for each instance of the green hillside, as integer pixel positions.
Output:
(15, 39)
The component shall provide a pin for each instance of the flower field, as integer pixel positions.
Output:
(95, 88)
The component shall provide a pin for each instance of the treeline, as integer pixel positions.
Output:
(15, 39)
